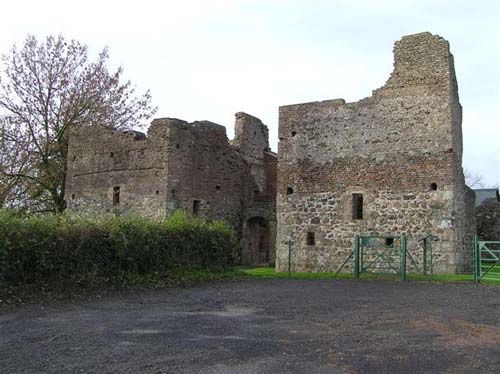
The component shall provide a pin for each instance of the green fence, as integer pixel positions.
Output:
(392, 255)
(486, 260)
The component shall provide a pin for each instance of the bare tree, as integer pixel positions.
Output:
(47, 88)
(473, 180)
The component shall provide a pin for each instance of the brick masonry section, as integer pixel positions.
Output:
(401, 149)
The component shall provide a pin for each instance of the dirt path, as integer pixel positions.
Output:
(264, 326)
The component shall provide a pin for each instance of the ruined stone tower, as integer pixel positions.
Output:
(385, 165)
(180, 166)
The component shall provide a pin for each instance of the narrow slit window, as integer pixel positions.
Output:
(196, 207)
(357, 206)
(311, 240)
(116, 195)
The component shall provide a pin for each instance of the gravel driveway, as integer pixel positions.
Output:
(263, 326)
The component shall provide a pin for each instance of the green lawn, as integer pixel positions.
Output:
(270, 273)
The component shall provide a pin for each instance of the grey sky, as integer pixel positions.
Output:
(210, 59)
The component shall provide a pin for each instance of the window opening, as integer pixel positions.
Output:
(357, 206)
(196, 207)
(311, 240)
(116, 195)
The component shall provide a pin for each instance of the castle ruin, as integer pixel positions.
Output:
(180, 166)
(385, 165)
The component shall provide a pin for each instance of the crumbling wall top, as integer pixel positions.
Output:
(421, 62)
(251, 136)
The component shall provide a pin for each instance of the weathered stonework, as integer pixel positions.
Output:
(401, 149)
(180, 166)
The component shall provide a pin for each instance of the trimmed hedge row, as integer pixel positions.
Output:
(42, 247)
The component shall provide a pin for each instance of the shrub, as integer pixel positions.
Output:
(42, 247)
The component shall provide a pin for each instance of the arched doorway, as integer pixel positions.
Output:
(257, 242)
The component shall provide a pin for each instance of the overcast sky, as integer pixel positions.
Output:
(209, 59)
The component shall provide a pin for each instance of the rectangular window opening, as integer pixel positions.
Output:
(311, 240)
(357, 206)
(196, 207)
(116, 195)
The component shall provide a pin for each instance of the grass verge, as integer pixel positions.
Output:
(270, 273)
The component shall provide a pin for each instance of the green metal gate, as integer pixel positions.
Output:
(486, 260)
(380, 254)
(392, 255)
(420, 256)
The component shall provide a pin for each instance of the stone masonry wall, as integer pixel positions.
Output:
(180, 166)
(401, 148)
(252, 143)
(203, 167)
(251, 139)
(101, 159)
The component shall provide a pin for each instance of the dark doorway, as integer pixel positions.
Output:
(257, 233)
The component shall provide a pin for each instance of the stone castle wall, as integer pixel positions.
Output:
(401, 149)
(204, 169)
(180, 166)
(100, 160)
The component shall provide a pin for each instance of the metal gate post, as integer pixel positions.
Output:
(431, 239)
(289, 258)
(477, 260)
(403, 257)
(356, 257)
(424, 255)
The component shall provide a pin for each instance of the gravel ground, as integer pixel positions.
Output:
(263, 326)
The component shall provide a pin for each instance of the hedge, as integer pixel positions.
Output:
(41, 247)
